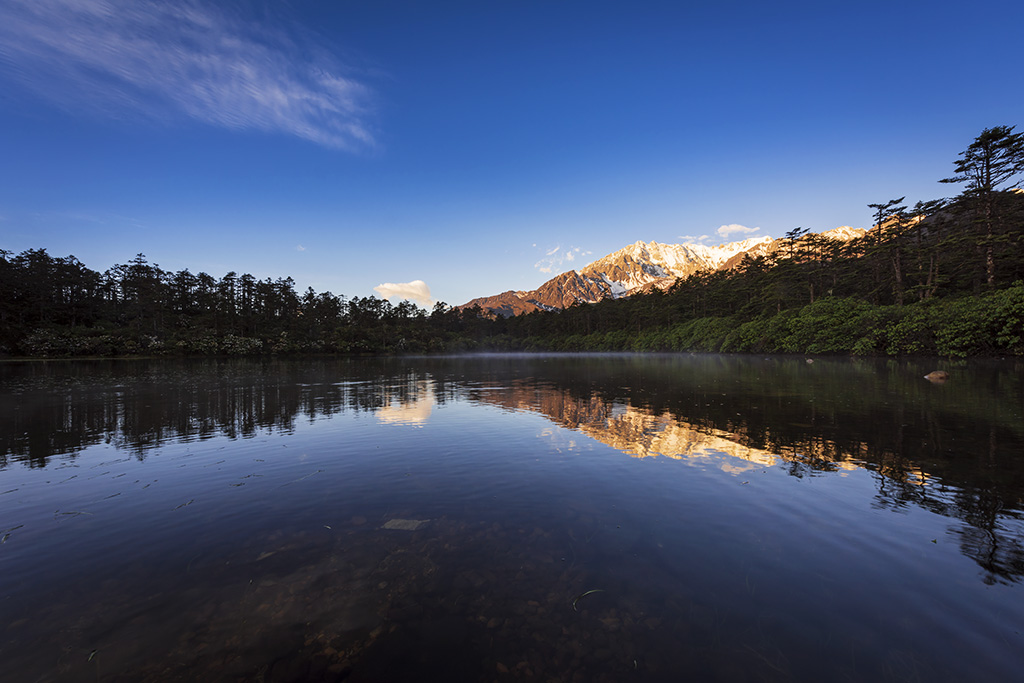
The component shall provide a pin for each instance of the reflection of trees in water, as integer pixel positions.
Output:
(952, 450)
(141, 405)
(990, 533)
(1001, 555)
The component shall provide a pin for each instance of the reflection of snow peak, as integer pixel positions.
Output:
(641, 433)
(408, 413)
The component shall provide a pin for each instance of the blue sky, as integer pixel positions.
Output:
(475, 146)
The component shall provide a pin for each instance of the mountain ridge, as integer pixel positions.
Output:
(636, 267)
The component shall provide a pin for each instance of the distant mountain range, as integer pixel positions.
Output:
(638, 267)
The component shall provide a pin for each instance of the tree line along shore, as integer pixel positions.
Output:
(944, 277)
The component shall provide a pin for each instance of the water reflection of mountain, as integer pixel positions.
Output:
(635, 431)
(955, 450)
(955, 453)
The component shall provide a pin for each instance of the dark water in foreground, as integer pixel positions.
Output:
(594, 518)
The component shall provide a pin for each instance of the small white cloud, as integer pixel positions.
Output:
(556, 257)
(694, 238)
(300, 248)
(732, 228)
(417, 290)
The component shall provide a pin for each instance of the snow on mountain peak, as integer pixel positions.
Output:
(675, 260)
(844, 232)
(636, 267)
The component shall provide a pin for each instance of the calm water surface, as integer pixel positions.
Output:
(553, 518)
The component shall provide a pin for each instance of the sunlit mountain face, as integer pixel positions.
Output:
(639, 267)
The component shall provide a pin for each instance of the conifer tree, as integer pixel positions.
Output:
(993, 159)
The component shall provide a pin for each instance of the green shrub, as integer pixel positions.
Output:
(911, 332)
(965, 327)
(829, 325)
(1009, 319)
(748, 337)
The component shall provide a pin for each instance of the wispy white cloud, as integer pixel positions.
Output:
(694, 238)
(734, 228)
(554, 258)
(417, 290)
(299, 247)
(186, 58)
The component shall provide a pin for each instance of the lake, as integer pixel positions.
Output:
(500, 518)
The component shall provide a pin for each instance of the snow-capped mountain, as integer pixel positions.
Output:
(844, 233)
(642, 263)
(639, 266)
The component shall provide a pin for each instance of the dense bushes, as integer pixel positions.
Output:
(969, 326)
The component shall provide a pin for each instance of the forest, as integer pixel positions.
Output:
(944, 277)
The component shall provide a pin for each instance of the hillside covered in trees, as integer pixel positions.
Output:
(944, 277)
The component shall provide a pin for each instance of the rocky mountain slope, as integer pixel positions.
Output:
(637, 267)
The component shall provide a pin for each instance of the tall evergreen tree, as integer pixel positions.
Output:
(994, 158)
(890, 221)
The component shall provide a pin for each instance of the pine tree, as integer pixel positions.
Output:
(993, 159)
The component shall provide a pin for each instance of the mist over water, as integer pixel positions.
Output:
(588, 518)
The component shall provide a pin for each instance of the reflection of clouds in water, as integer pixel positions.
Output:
(413, 413)
(740, 467)
(561, 440)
